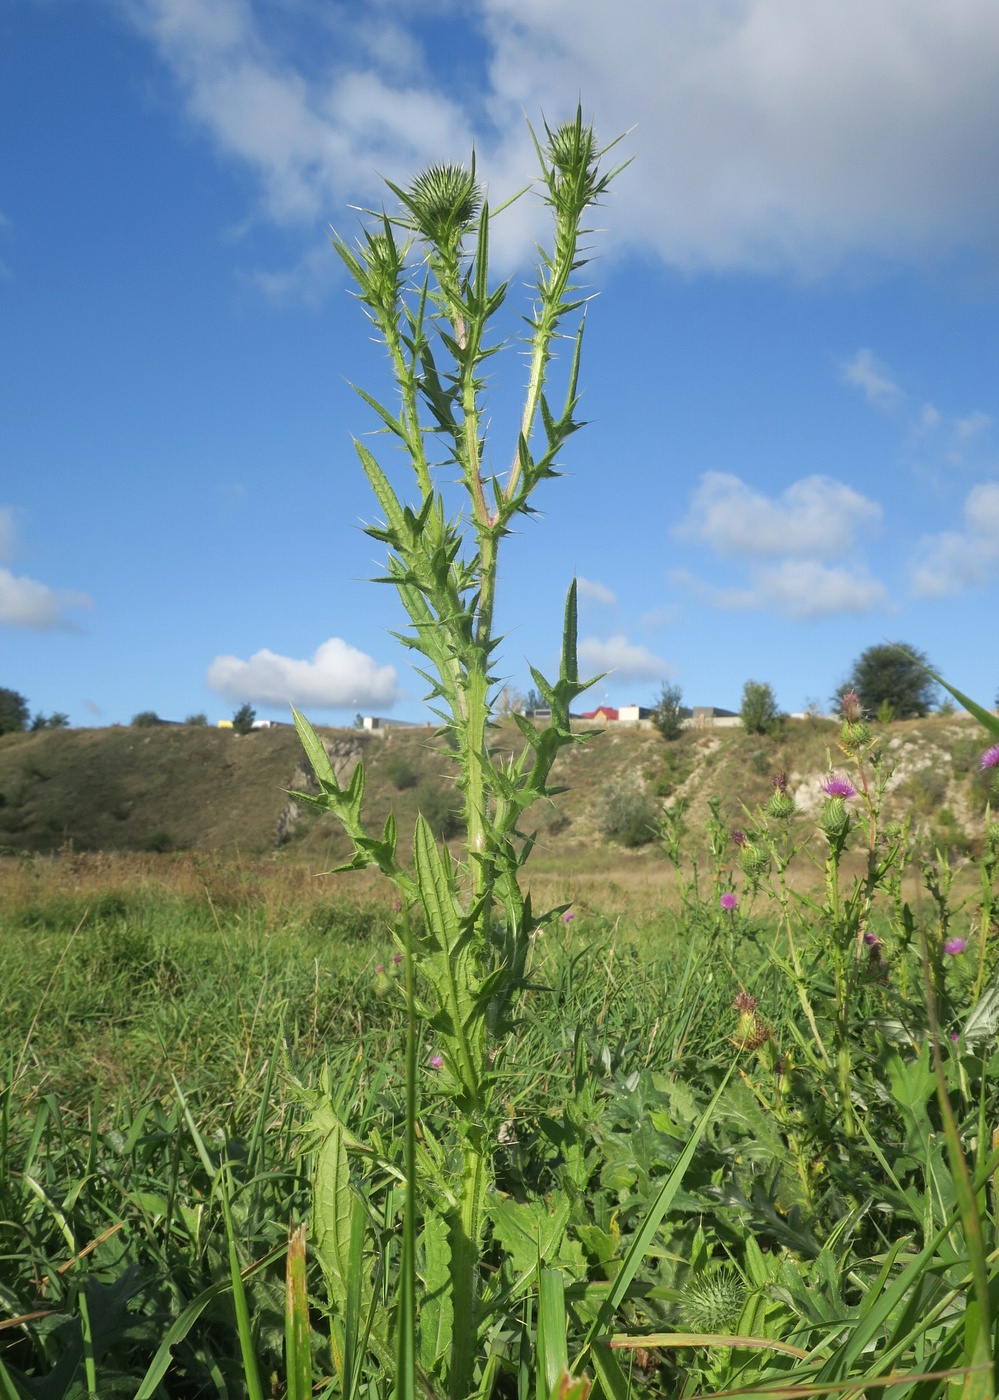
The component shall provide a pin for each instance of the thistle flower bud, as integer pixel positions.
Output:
(834, 818)
(753, 860)
(739, 838)
(992, 836)
(854, 736)
(779, 782)
(781, 804)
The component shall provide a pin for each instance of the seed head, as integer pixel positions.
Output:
(850, 706)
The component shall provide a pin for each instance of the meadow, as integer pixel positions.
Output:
(169, 1022)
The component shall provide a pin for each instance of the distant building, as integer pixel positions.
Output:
(376, 723)
(710, 717)
(604, 713)
(632, 714)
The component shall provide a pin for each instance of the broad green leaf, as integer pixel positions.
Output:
(436, 1305)
(332, 1200)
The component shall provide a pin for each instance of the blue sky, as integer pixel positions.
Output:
(789, 371)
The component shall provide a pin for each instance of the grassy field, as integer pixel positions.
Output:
(175, 1026)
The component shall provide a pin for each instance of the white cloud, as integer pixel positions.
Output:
(816, 517)
(337, 677)
(624, 658)
(801, 589)
(595, 592)
(971, 425)
(770, 136)
(865, 371)
(955, 560)
(24, 602)
(930, 417)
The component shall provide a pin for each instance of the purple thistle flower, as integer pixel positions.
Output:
(379, 969)
(990, 758)
(872, 940)
(739, 838)
(955, 1037)
(436, 1061)
(953, 946)
(839, 787)
(396, 959)
(728, 900)
(568, 916)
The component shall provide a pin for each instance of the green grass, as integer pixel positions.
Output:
(171, 1025)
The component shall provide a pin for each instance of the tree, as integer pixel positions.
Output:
(146, 719)
(199, 719)
(533, 702)
(13, 712)
(668, 713)
(56, 720)
(242, 720)
(893, 675)
(759, 711)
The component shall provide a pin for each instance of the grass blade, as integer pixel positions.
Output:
(251, 1372)
(552, 1354)
(297, 1341)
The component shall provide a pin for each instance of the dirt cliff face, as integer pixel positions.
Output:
(191, 788)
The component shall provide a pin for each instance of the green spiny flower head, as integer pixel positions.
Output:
(384, 264)
(753, 860)
(444, 201)
(781, 804)
(834, 816)
(712, 1302)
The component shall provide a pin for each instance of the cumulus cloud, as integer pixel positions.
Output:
(770, 136)
(816, 517)
(624, 658)
(866, 372)
(337, 677)
(958, 559)
(24, 602)
(800, 589)
(595, 592)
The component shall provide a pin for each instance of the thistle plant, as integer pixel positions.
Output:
(465, 926)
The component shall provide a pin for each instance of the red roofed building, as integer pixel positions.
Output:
(604, 712)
